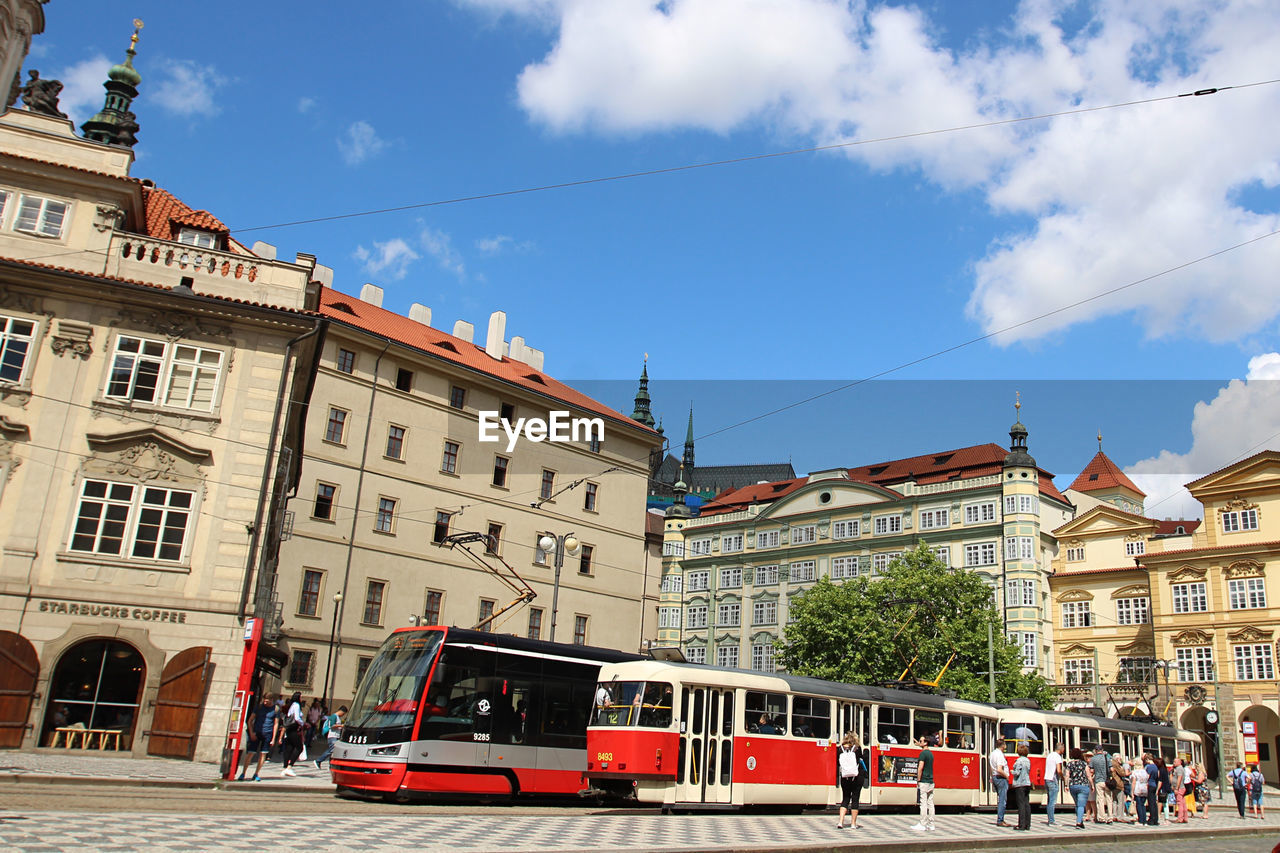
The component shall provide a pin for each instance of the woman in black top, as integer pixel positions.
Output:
(850, 786)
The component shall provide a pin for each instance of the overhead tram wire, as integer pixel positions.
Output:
(749, 158)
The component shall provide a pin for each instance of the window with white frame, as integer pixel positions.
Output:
(1190, 598)
(980, 554)
(727, 656)
(1135, 670)
(804, 534)
(766, 575)
(1133, 611)
(198, 238)
(943, 553)
(728, 615)
(700, 547)
(767, 539)
(668, 617)
(805, 570)
(844, 567)
(764, 613)
(177, 375)
(1024, 504)
(673, 549)
(132, 521)
(880, 562)
(1030, 649)
(1195, 663)
(934, 518)
(696, 581)
(1254, 662)
(42, 217)
(16, 339)
(731, 543)
(1237, 520)
(1078, 671)
(695, 654)
(980, 513)
(1135, 549)
(1076, 554)
(1022, 592)
(672, 583)
(731, 578)
(695, 616)
(885, 524)
(846, 528)
(1247, 593)
(1075, 614)
(762, 657)
(1020, 548)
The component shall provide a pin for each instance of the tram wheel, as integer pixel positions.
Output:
(396, 798)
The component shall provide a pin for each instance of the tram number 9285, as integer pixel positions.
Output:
(480, 736)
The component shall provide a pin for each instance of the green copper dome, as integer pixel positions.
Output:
(125, 73)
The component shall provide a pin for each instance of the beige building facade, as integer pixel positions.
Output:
(395, 474)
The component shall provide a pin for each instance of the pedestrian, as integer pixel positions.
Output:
(1239, 786)
(1103, 785)
(1079, 782)
(314, 713)
(1091, 804)
(1053, 779)
(1020, 782)
(1166, 787)
(1189, 791)
(1202, 790)
(999, 779)
(332, 730)
(851, 775)
(290, 731)
(1119, 779)
(259, 728)
(1138, 779)
(924, 783)
(1155, 793)
(1255, 783)
(1178, 776)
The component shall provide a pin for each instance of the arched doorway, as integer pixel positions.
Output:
(1193, 719)
(1268, 738)
(97, 685)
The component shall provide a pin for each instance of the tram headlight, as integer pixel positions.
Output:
(386, 750)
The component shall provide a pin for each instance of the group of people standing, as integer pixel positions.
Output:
(285, 724)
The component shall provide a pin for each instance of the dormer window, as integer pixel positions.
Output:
(196, 237)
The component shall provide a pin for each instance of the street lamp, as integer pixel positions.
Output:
(333, 633)
(559, 544)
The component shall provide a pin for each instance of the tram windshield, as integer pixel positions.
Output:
(632, 703)
(1016, 734)
(389, 693)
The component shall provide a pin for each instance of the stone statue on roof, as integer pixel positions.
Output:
(41, 96)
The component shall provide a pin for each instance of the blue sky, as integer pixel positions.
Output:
(822, 266)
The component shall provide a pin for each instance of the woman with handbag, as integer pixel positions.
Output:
(293, 721)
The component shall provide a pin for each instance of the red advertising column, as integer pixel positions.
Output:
(239, 705)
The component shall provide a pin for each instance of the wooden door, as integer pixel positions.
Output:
(19, 669)
(184, 684)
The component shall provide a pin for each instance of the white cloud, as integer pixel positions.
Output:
(82, 93)
(186, 88)
(439, 245)
(359, 143)
(502, 243)
(388, 260)
(306, 104)
(1113, 196)
(1243, 419)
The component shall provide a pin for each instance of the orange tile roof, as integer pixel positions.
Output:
(1101, 473)
(1169, 527)
(1099, 571)
(353, 312)
(163, 210)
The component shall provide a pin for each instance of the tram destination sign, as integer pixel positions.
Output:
(122, 613)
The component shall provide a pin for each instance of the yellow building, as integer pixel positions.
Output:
(1177, 619)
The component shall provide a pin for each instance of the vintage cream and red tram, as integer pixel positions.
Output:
(692, 736)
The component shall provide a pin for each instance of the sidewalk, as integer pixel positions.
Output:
(73, 767)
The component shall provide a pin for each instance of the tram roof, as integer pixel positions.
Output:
(523, 644)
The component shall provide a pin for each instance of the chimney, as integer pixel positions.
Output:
(372, 294)
(464, 330)
(420, 313)
(534, 357)
(264, 250)
(323, 274)
(517, 349)
(497, 334)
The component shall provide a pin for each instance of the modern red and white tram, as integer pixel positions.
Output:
(692, 736)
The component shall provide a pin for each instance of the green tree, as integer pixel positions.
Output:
(846, 632)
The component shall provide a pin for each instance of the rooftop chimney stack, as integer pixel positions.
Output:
(264, 250)
(464, 330)
(420, 313)
(371, 294)
(497, 334)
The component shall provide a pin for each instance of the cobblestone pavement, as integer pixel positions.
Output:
(48, 764)
(503, 830)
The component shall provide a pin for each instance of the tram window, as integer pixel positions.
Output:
(695, 766)
(1016, 734)
(766, 713)
(680, 753)
(893, 725)
(713, 718)
(513, 701)
(451, 697)
(1089, 739)
(927, 724)
(727, 729)
(684, 708)
(1110, 741)
(1167, 750)
(655, 712)
(697, 711)
(1151, 745)
(811, 717)
(711, 761)
(1184, 748)
(960, 731)
(726, 762)
(563, 717)
(616, 703)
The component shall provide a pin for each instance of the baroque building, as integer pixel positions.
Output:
(730, 573)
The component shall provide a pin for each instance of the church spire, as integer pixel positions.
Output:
(1018, 455)
(687, 459)
(115, 123)
(641, 411)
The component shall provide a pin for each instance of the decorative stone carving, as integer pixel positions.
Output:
(1077, 649)
(107, 217)
(1186, 574)
(72, 336)
(1235, 504)
(1250, 634)
(1192, 637)
(21, 300)
(1244, 569)
(1136, 590)
(173, 325)
(1076, 595)
(1138, 648)
(41, 96)
(146, 454)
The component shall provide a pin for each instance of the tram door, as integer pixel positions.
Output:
(706, 746)
(988, 743)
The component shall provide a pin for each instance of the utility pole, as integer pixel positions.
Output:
(991, 665)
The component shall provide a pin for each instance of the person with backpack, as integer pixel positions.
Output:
(289, 734)
(1239, 787)
(1138, 781)
(331, 728)
(851, 775)
(1255, 783)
